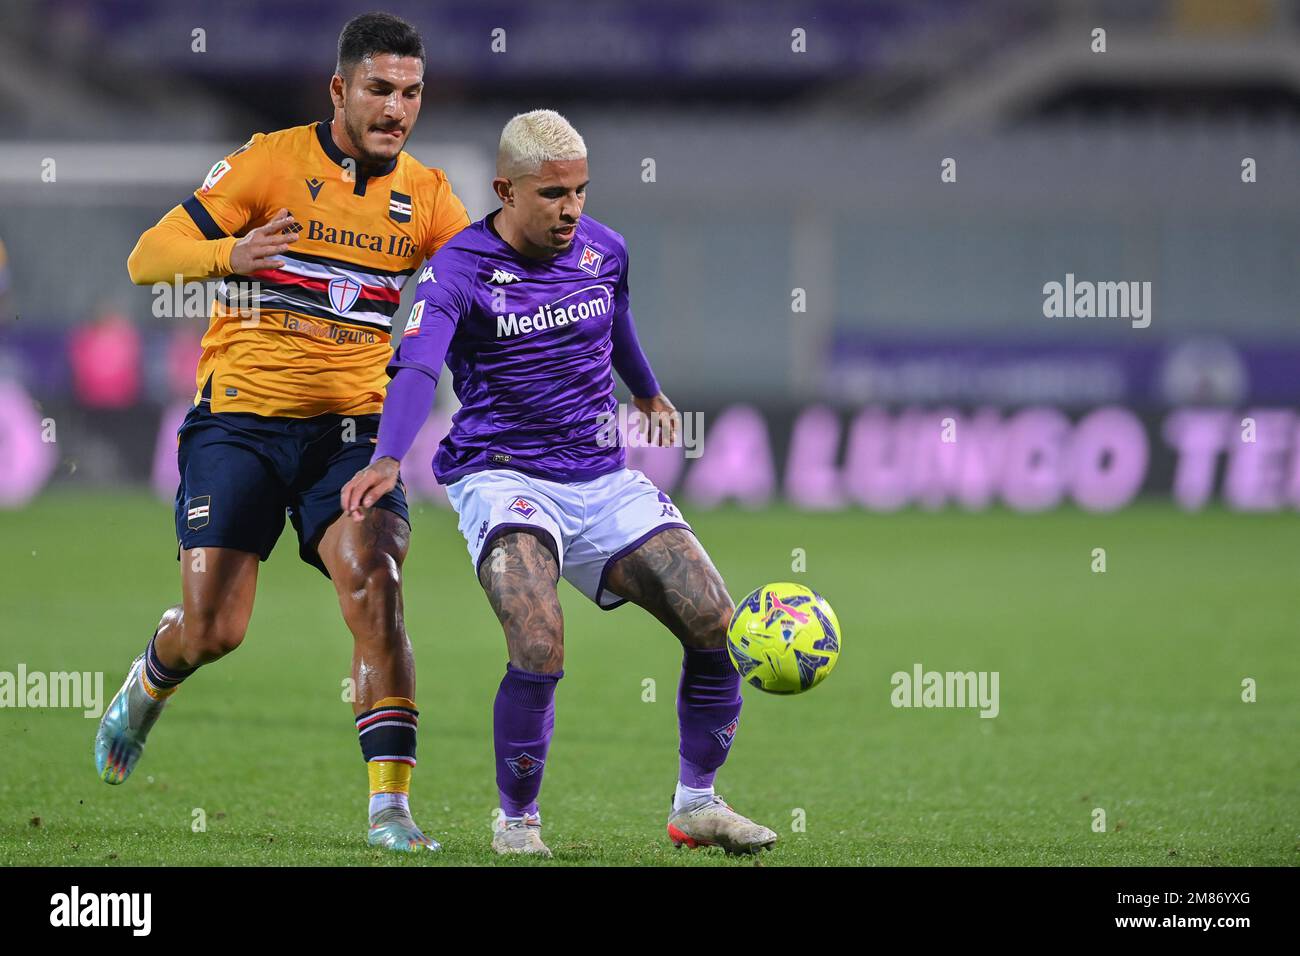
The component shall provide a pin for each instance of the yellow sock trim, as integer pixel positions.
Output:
(157, 693)
(394, 702)
(389, 776)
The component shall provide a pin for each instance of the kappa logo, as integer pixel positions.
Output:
(727, 734)
(524, 507)
(427, 275)
(525, 765)
(482, 532)
(590, 261)
(313, 187)
(501, 277)
(198, 511)
(343, 294)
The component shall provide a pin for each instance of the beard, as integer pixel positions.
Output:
(356, 131)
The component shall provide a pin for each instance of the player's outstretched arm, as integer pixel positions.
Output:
(406, 407)
(417, 362)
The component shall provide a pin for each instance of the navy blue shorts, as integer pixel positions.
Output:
(241, 473)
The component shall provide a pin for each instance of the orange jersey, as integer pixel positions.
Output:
(313, 337)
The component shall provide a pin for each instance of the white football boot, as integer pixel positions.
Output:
(710, 822)
(519, 835)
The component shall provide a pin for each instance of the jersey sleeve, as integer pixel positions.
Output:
(233, 194)
(628, 358)
(176, 246)
(442, 299)
(406, 409)
(196, 238)
(449, 217)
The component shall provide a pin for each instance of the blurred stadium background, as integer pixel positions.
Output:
(802, 276)
(773, 171)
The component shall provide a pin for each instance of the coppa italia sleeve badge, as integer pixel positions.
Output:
(219, 169)
(413, 320)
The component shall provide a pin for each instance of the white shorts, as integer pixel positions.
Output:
(589, 524)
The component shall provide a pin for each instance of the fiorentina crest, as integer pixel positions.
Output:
(525, 765)
(590, 261)
(727, 734)
(523, 507)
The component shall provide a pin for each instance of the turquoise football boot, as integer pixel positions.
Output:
(393, 829)
(124, 727)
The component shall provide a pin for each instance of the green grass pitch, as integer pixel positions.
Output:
(1119, 690)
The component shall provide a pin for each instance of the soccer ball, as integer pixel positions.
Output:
(784, 638)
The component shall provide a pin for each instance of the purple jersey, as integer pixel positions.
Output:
(530, 344)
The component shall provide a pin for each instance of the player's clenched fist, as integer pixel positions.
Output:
(258, 249)
(368, 486)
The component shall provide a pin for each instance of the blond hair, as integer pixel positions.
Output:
(537, 137)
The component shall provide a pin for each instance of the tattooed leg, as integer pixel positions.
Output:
(519, 574)
(672, 578)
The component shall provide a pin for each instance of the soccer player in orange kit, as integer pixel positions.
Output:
(324, 224)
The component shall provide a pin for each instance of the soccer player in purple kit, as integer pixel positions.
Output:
(529, 309)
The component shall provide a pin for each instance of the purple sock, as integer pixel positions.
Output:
(522, 720)
(708, 712)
